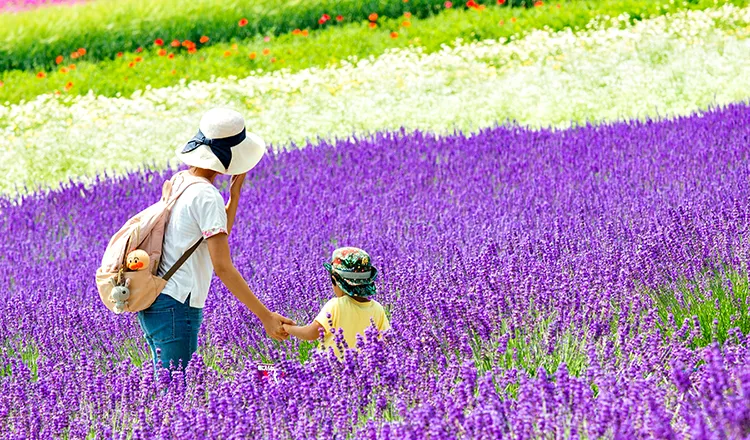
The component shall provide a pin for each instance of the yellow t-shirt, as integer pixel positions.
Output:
(353, 317)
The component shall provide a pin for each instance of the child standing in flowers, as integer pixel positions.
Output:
(352, 310)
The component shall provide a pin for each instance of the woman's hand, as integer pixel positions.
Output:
(274, 326)
(235, 185)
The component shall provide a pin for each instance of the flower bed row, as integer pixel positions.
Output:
(105, 28)
(665, 66)
(515, 265)
(167, 62)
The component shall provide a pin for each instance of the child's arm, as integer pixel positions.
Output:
(309, 332)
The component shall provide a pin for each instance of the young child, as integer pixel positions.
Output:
(353, 279)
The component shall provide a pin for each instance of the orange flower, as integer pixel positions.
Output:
(188, 44)
(72, 67)
(2, 83)
(252, 55)
(234, 46)
(174, 72)
(59, 59)
(266, 51)
(304, 33)
(132, 64)
(139, 50)
(162, 52)
(273, 60)
(406, 24)
(68, 86)
(138, 59)
(204, 39)
(63, 70)
(192, 50)
(243, 22)
(394, 35)
(74, 55)
(159, 42)
(175, 43)
(373, 17)
(501, 22)
(119, 54)
(296, 32)
(227, 53)
(513, 19)
(407, 14)
(81, 51)
(41, 75)
(538, 4)
(373, 25)
(170, 56)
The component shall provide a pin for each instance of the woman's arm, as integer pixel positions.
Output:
(308, 333)
(218, 248)
(235, 189)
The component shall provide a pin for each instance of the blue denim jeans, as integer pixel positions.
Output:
(172, 328)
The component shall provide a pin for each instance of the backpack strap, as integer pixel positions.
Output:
(175, 267)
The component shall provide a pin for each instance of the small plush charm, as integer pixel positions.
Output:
(120, 295)
(138, 260)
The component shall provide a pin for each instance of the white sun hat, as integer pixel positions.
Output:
(222, 144)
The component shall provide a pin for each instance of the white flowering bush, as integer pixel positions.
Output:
(671, 65)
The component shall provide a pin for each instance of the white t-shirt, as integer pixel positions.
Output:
(199, 211)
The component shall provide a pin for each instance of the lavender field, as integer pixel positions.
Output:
(582, 283)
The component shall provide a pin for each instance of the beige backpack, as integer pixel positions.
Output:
(121, 289)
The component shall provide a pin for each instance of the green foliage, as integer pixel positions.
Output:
(720, 304)
(321, 48)
(31, 40)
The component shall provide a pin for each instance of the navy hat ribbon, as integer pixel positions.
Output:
(222, 148)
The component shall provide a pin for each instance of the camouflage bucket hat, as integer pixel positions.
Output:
(352, 269)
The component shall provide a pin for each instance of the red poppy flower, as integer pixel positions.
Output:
(188, 44)
(448, 5)
(538, 4)
(296, 32)
(204, 39)
(252, 55)
(266, 51)
(175, 43)
(170, 56)
(394, 35)
(81, 51)
(500, 2)
(227, 53)
(59, 59)
(243, 22)
(373, 17)
(339, 18)
(159, 42)
(41, 75)
(68, 86)
(373, 25)
(471, 4)
(138, 59)
(139, 50)
(321, 21)
(119, 54)
(162, 52)
(192, 50)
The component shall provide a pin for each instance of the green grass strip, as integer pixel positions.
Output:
(138, 71)
(32, 40)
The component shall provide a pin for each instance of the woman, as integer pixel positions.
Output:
(171, 324)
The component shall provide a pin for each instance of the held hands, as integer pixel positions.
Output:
(274, 326)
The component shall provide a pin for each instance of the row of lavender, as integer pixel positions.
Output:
(520, 268)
